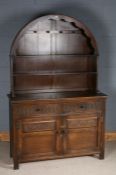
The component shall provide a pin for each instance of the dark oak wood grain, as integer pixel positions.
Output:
(56, 110)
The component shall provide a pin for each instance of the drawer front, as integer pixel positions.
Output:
(36, 109)
(82, 108)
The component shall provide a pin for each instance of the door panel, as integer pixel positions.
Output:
(39, 143)
(79, 139)
(38, 137)
(82, 134)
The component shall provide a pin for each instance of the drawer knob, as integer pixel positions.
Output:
(37, 109)
(82, 106)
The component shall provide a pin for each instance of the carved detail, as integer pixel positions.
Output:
(82, 123)
(31, 127)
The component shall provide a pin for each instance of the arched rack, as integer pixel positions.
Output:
(53, 53)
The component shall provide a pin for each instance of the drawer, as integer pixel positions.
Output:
(82, 108)
(36, 109)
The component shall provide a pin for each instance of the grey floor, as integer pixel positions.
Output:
(71, 166)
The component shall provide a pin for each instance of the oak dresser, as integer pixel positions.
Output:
(56, 110)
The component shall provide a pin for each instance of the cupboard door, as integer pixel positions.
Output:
(38, 138)
(82, 135)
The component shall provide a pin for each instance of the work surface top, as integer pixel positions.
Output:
(57, 95)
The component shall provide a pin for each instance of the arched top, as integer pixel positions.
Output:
(54, 34)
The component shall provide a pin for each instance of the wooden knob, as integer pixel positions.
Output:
(37, 109)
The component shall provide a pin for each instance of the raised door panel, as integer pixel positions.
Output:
(79, 139)
(38, 144)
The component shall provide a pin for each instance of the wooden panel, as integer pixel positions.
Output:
(74, 63)
(74, 81)
(54, 63)
(34, 44)
(44, 44)
(39, 143)
(50, 83)
(33, 64)
(71, 44)
(29, 82)
(79, 139)
(27, 44)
